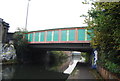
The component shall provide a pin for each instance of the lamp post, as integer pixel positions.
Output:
(27, 15)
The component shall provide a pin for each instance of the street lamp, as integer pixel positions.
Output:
(27, 15)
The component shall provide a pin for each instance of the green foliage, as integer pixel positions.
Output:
(83, 54)
(57, 57)
(104, 21)
(115, 68)
(20, 44)
(86, 56)
(105, 25)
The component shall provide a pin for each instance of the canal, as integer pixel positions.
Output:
(39, 71)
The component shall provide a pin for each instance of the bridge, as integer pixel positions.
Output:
(72, 38)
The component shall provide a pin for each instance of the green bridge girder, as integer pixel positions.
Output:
(61, 35)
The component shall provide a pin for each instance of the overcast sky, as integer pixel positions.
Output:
(43, 14)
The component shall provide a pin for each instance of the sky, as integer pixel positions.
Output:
(43, 14)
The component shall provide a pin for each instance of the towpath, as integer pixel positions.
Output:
(82, 73)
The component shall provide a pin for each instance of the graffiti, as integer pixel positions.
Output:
(94, 58)
(8, 52)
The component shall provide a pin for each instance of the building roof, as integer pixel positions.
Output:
(4, 23)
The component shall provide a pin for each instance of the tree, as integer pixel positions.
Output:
(21, 45)
(105, 25)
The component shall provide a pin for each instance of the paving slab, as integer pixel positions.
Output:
(82, 73)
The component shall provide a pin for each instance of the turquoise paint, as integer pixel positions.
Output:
(55, 36)
(42, 37)
(36, 37)
(81, 34)
(71, 35)
(64, 35)
(49, 36)
(31, 37)
(26, 36)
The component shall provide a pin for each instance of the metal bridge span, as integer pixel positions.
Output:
(72, 38)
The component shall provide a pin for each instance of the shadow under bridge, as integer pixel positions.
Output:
(83, 47)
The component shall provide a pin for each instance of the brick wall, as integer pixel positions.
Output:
(106, 74)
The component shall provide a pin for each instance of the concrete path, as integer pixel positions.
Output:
(71, 67)
(82, 72)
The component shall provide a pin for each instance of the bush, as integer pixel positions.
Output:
(57, 57)
(112, 67)
(21, 45)
(86, 56)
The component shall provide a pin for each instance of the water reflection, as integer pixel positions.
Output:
(8, 72)
(30, 71)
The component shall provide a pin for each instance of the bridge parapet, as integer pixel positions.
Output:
(63, 35)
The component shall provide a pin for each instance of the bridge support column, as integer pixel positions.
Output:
(94, 58)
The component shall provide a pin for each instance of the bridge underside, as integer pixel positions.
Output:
(83, 47)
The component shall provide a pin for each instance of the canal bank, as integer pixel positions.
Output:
(46, 71)
(83, 72)
(39, 71)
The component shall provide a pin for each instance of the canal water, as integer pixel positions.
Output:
(38, 72)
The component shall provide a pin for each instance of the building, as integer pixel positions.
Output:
(10, 38)
(3, 31)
